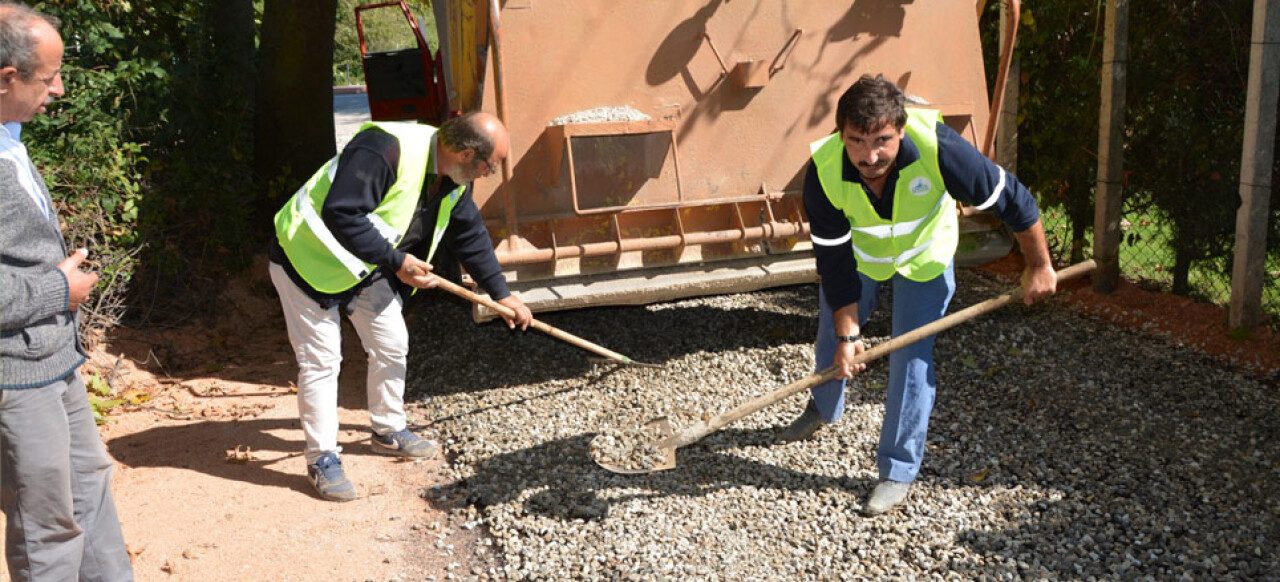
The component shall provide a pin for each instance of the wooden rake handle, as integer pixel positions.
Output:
(565, 336)
(697, 431)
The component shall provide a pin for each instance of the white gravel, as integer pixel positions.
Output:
(601, 115)
(1060, 448)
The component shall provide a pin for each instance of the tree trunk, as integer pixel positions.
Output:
(1079, 229)
(1080, 210)
(234, 34)
(1182, 271)
(294, 134)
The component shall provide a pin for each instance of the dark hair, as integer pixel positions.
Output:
(17, 44)
(464, 132)
(870, 103)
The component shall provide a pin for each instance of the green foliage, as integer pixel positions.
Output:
(88, 153)
(146, 152)
(1184, 113)
(1060, 53)
(347, 69)
(150, 154)
(1187, 123)
(101, 400)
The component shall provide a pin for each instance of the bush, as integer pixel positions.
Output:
(87, 154)
(146, 154)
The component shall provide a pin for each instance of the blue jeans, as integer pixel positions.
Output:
(55, 475)
(912, 380)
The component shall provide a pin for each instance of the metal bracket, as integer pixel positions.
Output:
(751, 73)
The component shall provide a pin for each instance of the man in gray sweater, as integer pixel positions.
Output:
(55, 474)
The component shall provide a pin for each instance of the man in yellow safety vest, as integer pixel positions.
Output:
(350, 240)
(879, 199)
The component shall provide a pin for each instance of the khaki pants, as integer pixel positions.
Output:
(316, 335)
(55, 479)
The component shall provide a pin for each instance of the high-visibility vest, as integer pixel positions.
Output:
(920, 239)
(312, 249)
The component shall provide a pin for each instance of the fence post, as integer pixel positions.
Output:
(1007, 129)
(1248, 271)
(1107, 202)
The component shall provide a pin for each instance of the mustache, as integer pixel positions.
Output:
(879, 164)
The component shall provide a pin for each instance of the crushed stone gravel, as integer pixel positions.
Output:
(1061, 447)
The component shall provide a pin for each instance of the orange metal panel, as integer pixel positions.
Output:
(677, 131)
(573, 55)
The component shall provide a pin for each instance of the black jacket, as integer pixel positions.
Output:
(366, 171)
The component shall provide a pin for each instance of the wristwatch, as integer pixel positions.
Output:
(848, 339)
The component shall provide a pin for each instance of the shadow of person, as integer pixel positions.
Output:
(789, 320)
(873, 17)
(878, 19)
(203, 447)
(680, 46)
(558, 479)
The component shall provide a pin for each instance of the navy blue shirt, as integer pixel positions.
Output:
(366, 171)
(967, 175)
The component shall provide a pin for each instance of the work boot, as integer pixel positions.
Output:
(802, 428)
(330, 482)
(888, 494)
(403, 443)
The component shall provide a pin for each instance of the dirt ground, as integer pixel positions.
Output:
(210, 483)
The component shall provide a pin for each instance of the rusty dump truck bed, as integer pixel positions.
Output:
(659, 147)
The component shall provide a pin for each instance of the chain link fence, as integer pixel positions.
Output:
(1147, 258)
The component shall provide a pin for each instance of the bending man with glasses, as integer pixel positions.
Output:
(358, 237)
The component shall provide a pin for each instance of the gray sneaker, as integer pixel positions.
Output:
(403, 443)
(803, 427)
(330, 482)
(888, 494)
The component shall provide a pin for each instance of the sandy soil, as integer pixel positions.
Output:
(210, 483)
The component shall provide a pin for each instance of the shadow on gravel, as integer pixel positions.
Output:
(441, 328)
(568, 485)
(519, 402)
(1119, 459)
(1060, 448)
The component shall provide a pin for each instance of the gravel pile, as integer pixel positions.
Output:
(601, 115)
(1060, 448)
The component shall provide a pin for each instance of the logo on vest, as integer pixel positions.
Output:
(920, 186)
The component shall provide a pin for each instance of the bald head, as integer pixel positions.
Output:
(476, 130)
(477, 142)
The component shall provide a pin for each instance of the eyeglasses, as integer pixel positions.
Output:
(488, 168)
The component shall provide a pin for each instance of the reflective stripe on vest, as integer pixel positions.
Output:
(442, 221)
(313, 250)
(921, 238)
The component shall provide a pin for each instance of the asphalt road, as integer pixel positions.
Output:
(349, 112)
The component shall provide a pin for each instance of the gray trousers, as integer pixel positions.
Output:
(55, 487)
